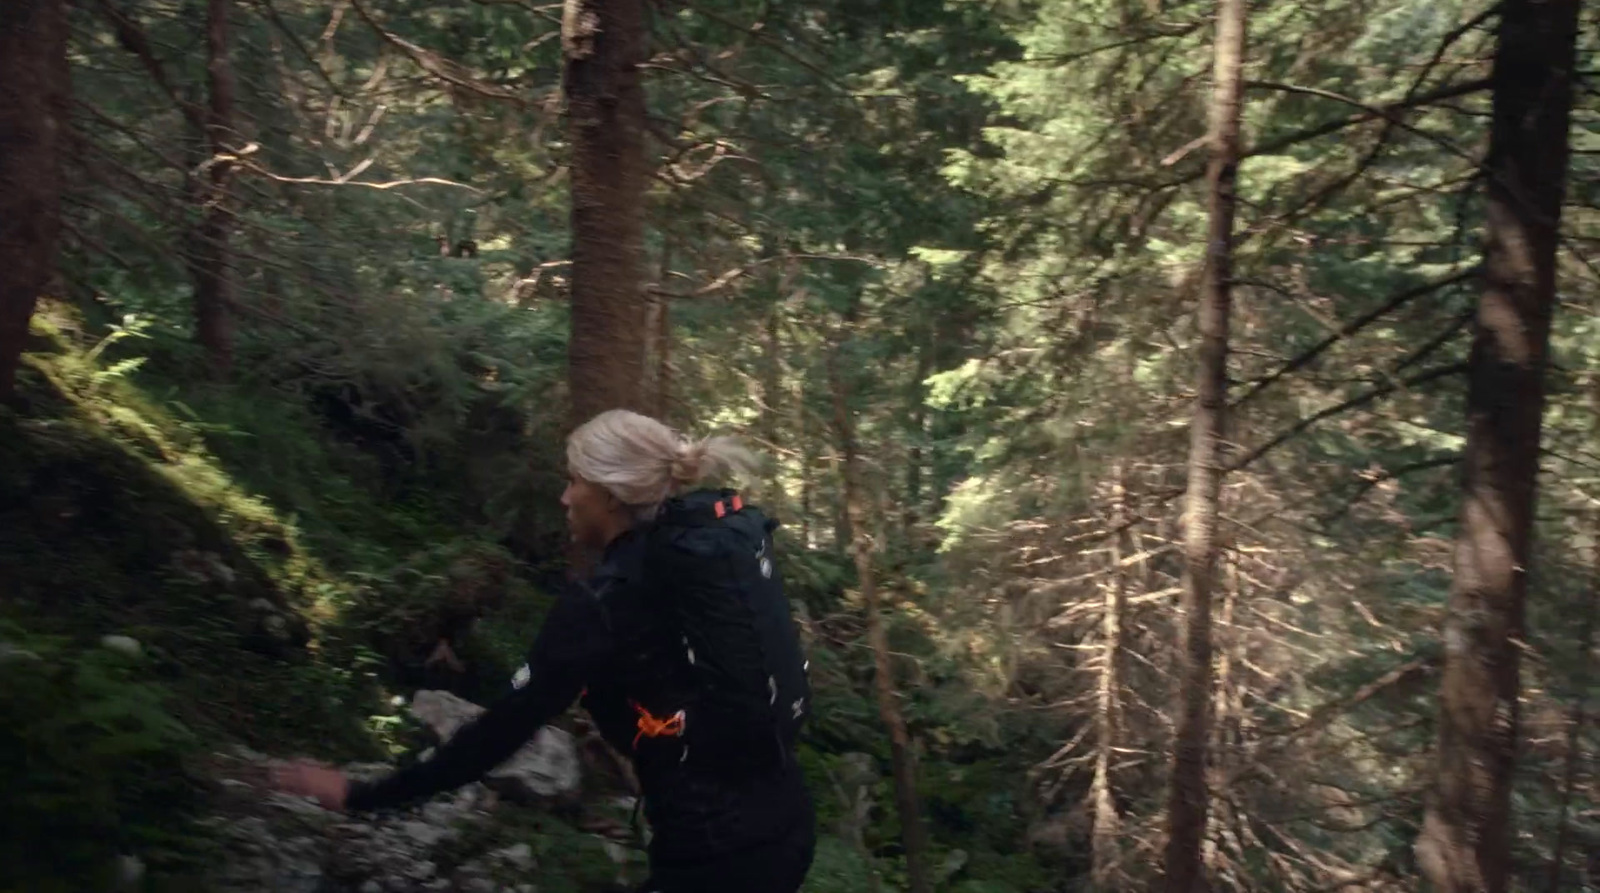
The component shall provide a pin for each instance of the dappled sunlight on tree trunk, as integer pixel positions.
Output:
(1466, 838)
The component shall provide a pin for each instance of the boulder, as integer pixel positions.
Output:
(546, 767)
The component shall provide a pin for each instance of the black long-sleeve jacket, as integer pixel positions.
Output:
(603, 639)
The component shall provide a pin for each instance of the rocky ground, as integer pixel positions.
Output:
(461, 842)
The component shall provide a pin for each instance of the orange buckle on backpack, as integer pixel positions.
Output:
(721, 508)
(651, 726)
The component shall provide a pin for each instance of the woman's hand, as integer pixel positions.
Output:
(305, 778)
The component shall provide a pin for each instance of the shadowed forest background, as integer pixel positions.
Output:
(1154, 395)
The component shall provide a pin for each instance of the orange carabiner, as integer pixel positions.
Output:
(651, 726)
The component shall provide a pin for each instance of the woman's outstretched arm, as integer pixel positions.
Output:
(572, 642)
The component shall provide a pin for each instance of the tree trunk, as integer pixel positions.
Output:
(913, 836)
(808, 463)
(772, 399)
(659, 327)
(211, 261)
(1105, 847)
(604, 42)
(1466, 835)
(911, 512)
(33, 117)
(1186, 804)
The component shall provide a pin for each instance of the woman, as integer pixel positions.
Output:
(729, 810)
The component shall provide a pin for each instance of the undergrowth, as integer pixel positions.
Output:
(279, 583)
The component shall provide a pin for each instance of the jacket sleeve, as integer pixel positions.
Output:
(572, 643)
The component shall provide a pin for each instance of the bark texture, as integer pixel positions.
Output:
(33, 123)
(604, 43)
(1466, 836)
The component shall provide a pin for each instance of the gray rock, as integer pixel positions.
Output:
(303, 806)
(291, 845)
(129, 871)
(424, 834)
(518, 856)
(546, 766)
(443, 813)
(253, 756)
(125, 645)
(276, 626)
(443, 712)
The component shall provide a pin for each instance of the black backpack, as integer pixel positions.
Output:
(710, 564)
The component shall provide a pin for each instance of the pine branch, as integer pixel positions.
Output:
(774, 44)
(1387, 113)
(1372, 483)
(1351, 328)
(1058, 59)
(1430, 347)
(132, 38)
(1353, 403)
(1367, 113)
(1328, 712)
(294, 39)
(433, 63)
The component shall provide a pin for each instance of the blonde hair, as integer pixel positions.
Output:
(642, 462)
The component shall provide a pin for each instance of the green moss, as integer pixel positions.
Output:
(838, 868)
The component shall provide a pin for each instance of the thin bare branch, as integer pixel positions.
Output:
(345, 181)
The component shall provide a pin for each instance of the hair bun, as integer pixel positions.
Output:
(686, 465)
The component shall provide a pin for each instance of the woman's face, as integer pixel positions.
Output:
(594, 516)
